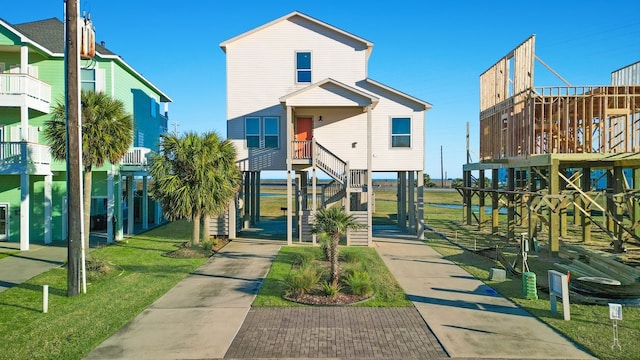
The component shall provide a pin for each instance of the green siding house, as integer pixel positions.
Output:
(32, 185)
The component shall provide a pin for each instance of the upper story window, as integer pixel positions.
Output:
(88, 79)
(252, 131)
(401, 132)
(262, 132)
(271, 132)
(303, 67)
(92, 80)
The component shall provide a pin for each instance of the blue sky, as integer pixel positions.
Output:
(434, 51)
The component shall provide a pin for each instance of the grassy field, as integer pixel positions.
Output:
(74, 326)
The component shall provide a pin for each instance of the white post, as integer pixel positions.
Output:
(420, 214)
(131, 183)
(118, 208)
(24, 212)
(110, 205)
(369, 177)
(411, 198)
(45, 298)
(48, 179)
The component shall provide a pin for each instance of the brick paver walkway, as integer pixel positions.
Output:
(335, 332)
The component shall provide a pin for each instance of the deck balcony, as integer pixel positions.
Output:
(19, 157)
(22, 89)
(136, 159)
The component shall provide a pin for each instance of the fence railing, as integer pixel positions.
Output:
(23, 84)
(22, 152)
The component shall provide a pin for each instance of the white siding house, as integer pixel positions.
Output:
(299, 100)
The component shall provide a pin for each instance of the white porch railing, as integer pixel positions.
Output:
(12, 85)
(22, 153)
(137, 156)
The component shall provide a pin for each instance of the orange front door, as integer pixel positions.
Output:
(304, 133)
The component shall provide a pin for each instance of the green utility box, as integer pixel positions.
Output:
(529, 290)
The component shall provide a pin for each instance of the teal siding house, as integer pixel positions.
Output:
(32, 185)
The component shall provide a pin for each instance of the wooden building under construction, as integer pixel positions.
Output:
(551, 141)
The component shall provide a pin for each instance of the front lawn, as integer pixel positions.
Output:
(139, 275)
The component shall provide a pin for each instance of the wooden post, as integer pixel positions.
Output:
(586, 220)
(554, 218)
(481, 194)
(467, 214)
(511, 213)
(635, 212)
(618, 186)
(533, 218)
(563, 208)
(495, 205)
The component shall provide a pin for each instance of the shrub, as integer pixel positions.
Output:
(300, 281)
(352, 257)
(360, 283)
(330, 289)
(207, 245)
(305, 259)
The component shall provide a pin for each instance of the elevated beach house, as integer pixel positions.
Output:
(32, 185)
(299, 100)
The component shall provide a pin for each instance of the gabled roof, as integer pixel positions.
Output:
(367, 43)
(48, 36)
(426, 105)
(354, 96)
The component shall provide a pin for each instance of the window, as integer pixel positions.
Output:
(252, 131)
(140, 138)
(88, 79)
(400, 132)
(271, 131)
(303, 67)
(262, 132)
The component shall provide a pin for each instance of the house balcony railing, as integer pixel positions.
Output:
(24, 157)
(18, 89)
(137, 156)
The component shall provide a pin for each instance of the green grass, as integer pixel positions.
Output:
(74, 326)
(7, 254)
(388, 292)
(589, 326)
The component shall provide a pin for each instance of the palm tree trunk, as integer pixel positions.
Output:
(86, 189)
(205, 228)
(335, 272)
(196, 229)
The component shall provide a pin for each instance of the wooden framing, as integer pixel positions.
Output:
(549, 139)
(519, 120)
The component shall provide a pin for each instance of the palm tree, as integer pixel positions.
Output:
(335, 222)
(107, 134)
(194, 177)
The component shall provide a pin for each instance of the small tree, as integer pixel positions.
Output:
(335, 222)
(195, 176)
(428, 182)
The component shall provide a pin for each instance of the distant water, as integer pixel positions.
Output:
(474, 208)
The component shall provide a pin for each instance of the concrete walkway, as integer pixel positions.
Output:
(469, 318)
(21, 267)
(199, 317)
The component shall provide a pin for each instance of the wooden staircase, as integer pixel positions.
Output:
(336, 191)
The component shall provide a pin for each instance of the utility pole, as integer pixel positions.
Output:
(441, 169)
(74, 149)
(175, 128)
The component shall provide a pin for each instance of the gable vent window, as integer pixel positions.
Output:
(303, 67)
